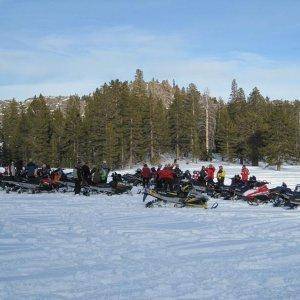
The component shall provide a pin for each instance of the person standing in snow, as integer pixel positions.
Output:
(157, 181)
(202, 176)
(11, 170)
(104, 171)
(19, 168)
(166, 176)
(146, 175)
(153, 174)
(86, 174)
(221, 176)
(245, 174)
(210, 174)
(77, 175)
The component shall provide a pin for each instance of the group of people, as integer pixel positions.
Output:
(167, 176)
(164, 177)
(29, 170)
(34, 173)
(83, 175)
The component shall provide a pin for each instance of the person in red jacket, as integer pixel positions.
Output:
(146, 175)
(167, 176)
(210, 171)
(245, 174)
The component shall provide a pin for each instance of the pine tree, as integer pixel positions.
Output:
(124, 129)
(72, 133)
(39, 130)
(226, 134)
(237, 109)
(10, 133)
(192, 109)
(139, 120)
(158, 126)
(178, 133)
(234, 90)
(112, 94)
(255, 116)
(94, 124)
(56, 143)
(281, 134)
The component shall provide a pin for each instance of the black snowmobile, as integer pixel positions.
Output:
(286, 197)
(115, 187)
(29, 185)
(177, 199)
(133, 179)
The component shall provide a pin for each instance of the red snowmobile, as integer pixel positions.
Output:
(259, 194)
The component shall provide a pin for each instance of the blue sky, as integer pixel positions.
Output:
(69, 46)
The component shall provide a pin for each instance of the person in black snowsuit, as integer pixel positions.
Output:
(86, 174)
(77, 174)
(202, 176)
(31, 169)
(178, 175)
(19, 167)
(236, 181)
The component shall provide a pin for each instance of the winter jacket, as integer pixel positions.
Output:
(146, 172)
(86, 173)
(166, 174)
(105, 167)
(221, 175)
(210, 171)
(31, 169)
(245, 174)
(103, 175)
(19, 166)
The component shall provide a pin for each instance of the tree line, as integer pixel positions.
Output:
(126, 123)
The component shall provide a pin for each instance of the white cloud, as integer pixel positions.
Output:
(78, 64)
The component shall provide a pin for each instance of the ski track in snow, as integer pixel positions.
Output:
(61, 246)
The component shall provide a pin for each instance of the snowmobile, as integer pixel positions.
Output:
(111, 188)
(259, 194)
(116, 186)
(192, 199)
(134, 179)
(35, 185)
(287, 198)
(295, 201)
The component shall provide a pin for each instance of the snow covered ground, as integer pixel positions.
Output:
(61, 246)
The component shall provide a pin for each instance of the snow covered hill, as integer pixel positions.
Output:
(61, 246)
